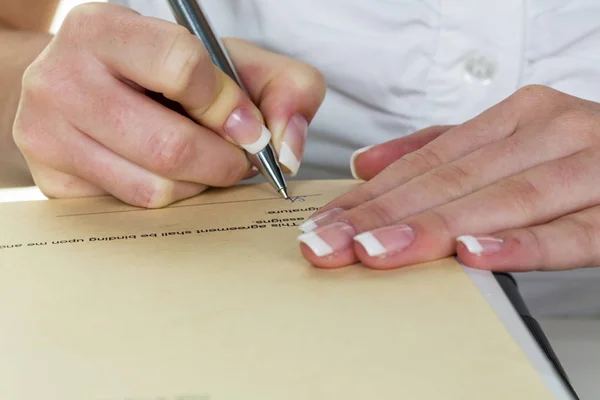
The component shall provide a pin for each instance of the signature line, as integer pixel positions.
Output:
(176, 206)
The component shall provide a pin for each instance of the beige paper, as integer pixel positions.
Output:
(102, 301)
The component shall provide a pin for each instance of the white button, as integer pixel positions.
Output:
(479, 68)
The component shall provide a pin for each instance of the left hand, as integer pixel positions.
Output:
(514, 189)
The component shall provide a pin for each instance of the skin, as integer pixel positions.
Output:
(522, 176)
(133, 106)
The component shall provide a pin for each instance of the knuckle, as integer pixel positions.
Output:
(92, 21)
(183, 56)
(444, 223)
(578, 124)
(424, 159)
(36, 82)
(85, 20)
(40, 85)
(156, 193)
(50, 190)
(54, 184)
(372, 215)
(523, 194)
(27, 135)
(531, 240)
(51, 84)
(309, 79)
(453, 178)
(87, 9)
(316, 78)
(24, 136)
(533, 99)
(535, 92)
(362, 193)
(169, 151)
(41, 102)
(586, 233)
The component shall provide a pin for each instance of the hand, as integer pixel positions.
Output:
(514, 189)
(86, 125)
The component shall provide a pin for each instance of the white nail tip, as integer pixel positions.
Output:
(353, 159)
(471, 243)
(308, 226)
(372, 246)
(261, 142)
(288, 158)
(316, 244)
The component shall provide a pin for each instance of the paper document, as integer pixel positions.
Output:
(210, 299)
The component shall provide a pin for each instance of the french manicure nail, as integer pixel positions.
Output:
(385, 241)
(482, 244)
(329, 239)
(320, 219)
(247, 130)
(292, 145)
(354, 157)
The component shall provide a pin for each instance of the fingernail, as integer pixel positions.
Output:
(354, 157)
(482, 244)
(385, 241)
(292, 145)
(320, 219)
(247, 130)
(329, 239)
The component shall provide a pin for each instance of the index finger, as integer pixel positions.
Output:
(494, 124)
(166, 58)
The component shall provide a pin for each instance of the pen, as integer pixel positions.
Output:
(189, 14)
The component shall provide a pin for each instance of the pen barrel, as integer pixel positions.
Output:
(189, 14)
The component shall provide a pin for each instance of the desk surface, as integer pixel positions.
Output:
(484, 281)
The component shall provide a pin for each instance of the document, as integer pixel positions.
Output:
(210, 299)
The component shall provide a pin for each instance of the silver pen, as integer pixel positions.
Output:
(189, 13)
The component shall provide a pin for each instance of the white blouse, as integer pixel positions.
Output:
(395, 66)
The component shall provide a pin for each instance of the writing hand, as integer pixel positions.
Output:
(86, 125)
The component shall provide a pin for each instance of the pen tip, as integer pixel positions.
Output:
(284, 194)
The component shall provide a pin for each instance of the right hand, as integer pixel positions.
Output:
(86, 126)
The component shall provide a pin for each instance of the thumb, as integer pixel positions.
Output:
(368, 162)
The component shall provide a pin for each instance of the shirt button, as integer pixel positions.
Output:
(479, 68)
